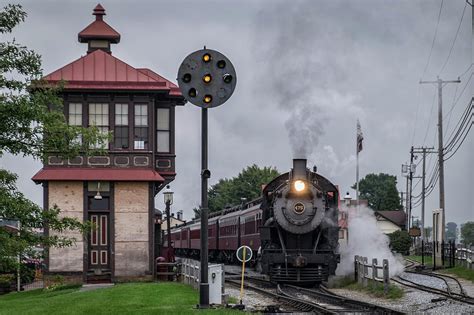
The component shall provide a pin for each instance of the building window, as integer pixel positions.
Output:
(75, 118)
(163, 130)
(98, 195)
(75, 114)
(121, 126)
(140, 141)
(99, 117)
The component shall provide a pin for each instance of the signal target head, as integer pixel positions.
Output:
(207, 78)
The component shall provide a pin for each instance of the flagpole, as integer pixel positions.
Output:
(357, 175)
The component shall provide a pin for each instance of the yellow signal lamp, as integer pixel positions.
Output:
(299, 185)
(207, 78)
(207, 99)
(206, 57)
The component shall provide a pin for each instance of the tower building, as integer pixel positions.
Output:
(114, 191)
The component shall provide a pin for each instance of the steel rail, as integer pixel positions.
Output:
(453, 296)
(354, 305)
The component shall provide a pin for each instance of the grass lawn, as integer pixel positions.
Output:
(428, 260)
(376, 289)
(135, 298)
(460, 272)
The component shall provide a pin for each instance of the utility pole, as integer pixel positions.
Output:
(424, 151)
(440, 84)
(411, 187)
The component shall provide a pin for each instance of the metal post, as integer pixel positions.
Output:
(423, 206)
(410, 224)
(169, 254)
(406, 207)
(356, 273)
(203, 284)
(366, 269)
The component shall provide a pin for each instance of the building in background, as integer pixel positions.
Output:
(391, 221)
(115, 191)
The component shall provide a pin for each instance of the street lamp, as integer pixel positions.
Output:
(168, 198)
(347, 199)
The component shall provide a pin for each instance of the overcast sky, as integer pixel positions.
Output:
(306, 71)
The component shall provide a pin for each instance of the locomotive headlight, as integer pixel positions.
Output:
(299, 185)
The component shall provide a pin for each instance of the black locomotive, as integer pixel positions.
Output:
(293, 227)
(299, 236)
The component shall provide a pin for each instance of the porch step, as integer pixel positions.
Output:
(91, 287)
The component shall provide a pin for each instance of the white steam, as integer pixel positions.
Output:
(366, 239)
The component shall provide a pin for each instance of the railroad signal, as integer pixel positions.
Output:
(207, 78)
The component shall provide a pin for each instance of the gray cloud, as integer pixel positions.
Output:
(341, 60)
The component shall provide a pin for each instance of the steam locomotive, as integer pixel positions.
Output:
(292, 227)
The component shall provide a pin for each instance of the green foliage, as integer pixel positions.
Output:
(248, 184)
(400, 241)
(380, 191)
(467, 233)
(13, 205)
(32, 123)
(31, 116)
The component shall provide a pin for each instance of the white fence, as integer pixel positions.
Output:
(465, 257)
(364, 271)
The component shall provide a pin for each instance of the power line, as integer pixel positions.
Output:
(434, 39)
(460, 144)
(457, 133)
(454, 40)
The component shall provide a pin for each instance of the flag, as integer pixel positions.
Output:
(360, 137)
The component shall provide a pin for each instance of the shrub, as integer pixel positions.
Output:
(400, 242)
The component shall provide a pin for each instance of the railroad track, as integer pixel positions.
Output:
(320, 301)
(454, 289)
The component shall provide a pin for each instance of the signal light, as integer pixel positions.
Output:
(192, 92)
(207, 78)
(227, 78)
(207, 99)
(186, 78)
(221, 64)
(299, 185)
(206, 57)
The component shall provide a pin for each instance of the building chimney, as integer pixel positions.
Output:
(180, 215)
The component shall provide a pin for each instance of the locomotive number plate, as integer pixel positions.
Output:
(299, 208)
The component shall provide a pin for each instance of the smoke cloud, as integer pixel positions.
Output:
(366, 239)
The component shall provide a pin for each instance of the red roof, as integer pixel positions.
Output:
(99, 29)
(106, 174)
(100, 70)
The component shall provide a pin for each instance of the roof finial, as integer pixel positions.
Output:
(99, 12)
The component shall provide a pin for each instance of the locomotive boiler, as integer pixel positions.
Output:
(293, 227)
(299, 236)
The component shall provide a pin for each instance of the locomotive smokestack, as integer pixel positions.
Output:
(299, 169)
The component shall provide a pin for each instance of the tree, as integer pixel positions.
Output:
(400, 241)
(32, 123)
(467, 233)
(380, 191)
(248, 185)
